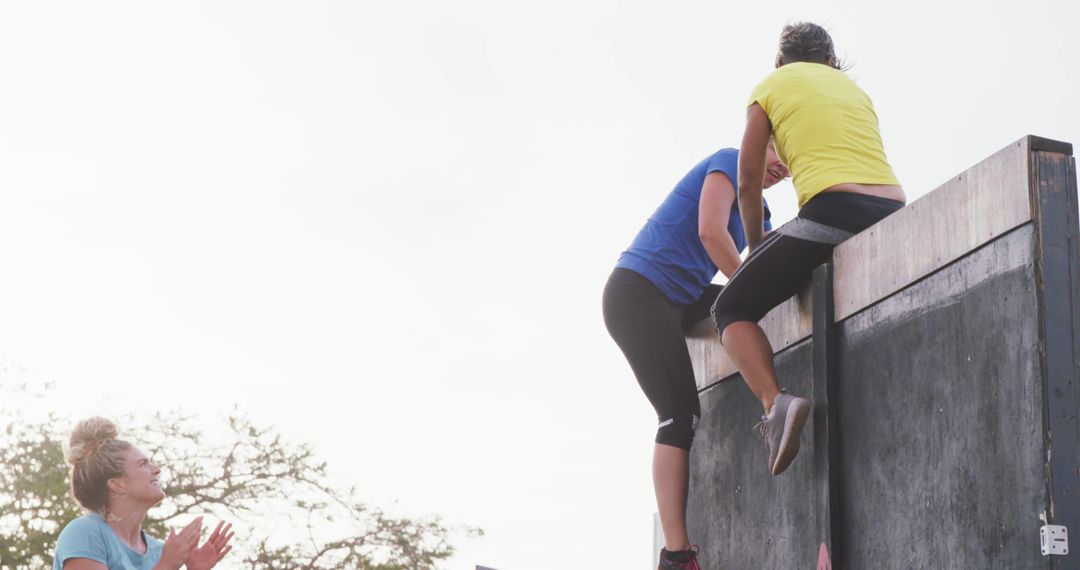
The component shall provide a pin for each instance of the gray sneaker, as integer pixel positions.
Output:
(781, 429)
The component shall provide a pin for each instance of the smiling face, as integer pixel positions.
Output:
(140, 482)
(775, 169)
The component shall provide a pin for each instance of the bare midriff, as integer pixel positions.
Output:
(886, 191)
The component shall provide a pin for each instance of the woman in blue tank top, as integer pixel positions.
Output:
(117, 484)
(660, 288)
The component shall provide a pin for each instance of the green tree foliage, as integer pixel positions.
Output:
(246, 473)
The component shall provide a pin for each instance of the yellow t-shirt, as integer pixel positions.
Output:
(825, 128)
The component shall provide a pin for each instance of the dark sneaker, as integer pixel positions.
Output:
(682, 560)
(781, 429)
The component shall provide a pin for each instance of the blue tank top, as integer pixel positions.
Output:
(668, 251)
(90, 537)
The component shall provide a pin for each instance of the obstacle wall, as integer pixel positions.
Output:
(941, 350)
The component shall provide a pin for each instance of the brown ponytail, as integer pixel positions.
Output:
(809, 43)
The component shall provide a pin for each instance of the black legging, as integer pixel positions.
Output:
(651, 331)
(783, 262)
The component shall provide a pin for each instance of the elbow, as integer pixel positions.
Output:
(707, 235)
(712, 235)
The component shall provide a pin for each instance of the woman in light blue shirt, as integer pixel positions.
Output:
(117, 484)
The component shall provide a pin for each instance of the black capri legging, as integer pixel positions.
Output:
(784, 261)
(650, 329)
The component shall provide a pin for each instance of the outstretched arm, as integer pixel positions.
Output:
(752, 172)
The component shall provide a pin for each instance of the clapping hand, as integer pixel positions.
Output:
(213, 550)
(179, 546)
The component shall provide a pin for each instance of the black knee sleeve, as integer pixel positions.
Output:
(677, 432)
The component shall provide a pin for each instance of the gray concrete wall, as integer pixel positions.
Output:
(940, 408)
(940, 432)
(750, 519)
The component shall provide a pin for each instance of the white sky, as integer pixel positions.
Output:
(385, 227)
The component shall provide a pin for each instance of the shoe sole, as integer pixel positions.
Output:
(789, 443)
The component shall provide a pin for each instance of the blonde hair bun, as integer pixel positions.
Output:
(89, 436)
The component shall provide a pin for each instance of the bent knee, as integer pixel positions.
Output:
(726, 319)
(678, 431)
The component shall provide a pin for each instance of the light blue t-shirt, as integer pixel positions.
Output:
(89, 536)
(668, 250)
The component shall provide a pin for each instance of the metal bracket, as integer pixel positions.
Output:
(1054, 539)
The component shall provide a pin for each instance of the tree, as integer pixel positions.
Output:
(250, 475)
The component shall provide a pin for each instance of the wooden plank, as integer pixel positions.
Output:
(785, 325)
(1039, 144)
(1057, 279)
(988, 200)
(826, 449)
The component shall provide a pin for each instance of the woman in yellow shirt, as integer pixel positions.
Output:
(826, 131)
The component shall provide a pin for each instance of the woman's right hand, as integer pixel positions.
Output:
(179, 546)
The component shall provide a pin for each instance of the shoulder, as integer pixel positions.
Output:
(723, 156)
(774, 77)
(773, 83)
(86, 524)
(83, 538)
(725, 153)
(725, 160)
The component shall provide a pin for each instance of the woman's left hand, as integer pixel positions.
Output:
(213, 550)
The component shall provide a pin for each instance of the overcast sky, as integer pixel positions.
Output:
(385, 226)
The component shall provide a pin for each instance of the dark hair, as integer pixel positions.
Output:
(803, 41)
